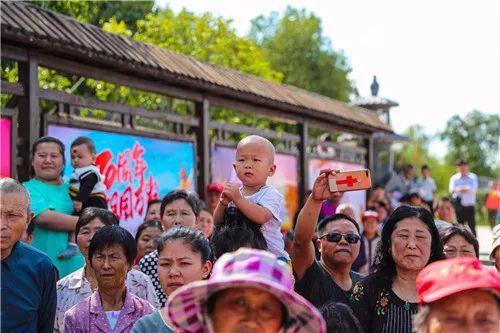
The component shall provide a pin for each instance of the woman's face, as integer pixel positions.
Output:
(178, 265)
(247, 310)
(86, 234)
(153, 212)
(205, 223)
(145, 243)
(110, 266)
(47, 162)
(445, 211)
(458, 246)
(178, 212)
(411, 244)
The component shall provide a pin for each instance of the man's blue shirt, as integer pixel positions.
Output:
(28, 289)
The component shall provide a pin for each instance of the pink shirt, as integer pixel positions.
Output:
(88, 316)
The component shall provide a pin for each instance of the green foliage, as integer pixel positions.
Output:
(99, 12)
(474, 138)
(296, 46)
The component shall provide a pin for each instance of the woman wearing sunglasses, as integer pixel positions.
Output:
(386, 300)
(330, 278)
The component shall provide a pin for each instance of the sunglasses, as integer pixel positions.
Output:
(335, 237)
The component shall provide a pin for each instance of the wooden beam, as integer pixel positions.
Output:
(303, 160)
(12, 88)
(236, 128)
(203, 146)
(14, 53)
(94, 103)
(29, 114)
(81, 69)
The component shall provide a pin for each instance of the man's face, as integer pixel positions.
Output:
(339, 252)
(463, 169)
(496, 257)
(465, 312)
(14, 219)
(212, 200)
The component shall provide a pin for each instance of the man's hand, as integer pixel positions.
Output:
(231, 192)
(77, 206)
(321, 189)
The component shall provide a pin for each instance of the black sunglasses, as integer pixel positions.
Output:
(335, 237)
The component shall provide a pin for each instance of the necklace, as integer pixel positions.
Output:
(407, 305)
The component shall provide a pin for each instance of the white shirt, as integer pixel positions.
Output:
(469, 181)
(269, 198)
(426, 188)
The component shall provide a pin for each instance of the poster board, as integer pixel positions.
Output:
(136, 169)
(5, 147)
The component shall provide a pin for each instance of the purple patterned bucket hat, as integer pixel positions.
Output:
(186, 307)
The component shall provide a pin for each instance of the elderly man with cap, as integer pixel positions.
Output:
(213, 195)
(371, 236)
(495, 250)
(458, 295)
(28, 276)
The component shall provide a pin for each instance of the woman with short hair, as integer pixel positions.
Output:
(80, 284)
(111, 308)
(459, 241)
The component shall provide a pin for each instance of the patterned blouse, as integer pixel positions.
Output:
(379, 309)
(74, 288)
(149, 266)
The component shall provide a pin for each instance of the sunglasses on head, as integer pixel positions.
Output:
(335, 237)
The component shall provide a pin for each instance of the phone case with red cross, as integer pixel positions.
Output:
(350, 181)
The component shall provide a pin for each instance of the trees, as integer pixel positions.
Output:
(474, 138)
(296, 46)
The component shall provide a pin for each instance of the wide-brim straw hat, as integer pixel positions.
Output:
(245, 268)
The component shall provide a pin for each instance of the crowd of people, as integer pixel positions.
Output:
(407, 263)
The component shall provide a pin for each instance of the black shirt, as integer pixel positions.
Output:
(319, 288)
(379, 309)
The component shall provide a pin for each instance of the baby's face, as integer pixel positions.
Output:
(81, 156)
(254, 163)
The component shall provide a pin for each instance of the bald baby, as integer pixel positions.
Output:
(259, 143)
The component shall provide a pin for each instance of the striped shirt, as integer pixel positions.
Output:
(399, 317)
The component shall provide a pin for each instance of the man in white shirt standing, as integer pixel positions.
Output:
(463, 187)
(427, 187)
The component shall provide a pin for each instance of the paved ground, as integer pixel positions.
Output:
(485, 238)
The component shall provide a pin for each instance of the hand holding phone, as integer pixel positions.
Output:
(350, 181)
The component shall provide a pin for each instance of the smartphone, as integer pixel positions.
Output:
(350, 181)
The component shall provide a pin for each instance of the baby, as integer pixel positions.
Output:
(86, 185)
(258, 201)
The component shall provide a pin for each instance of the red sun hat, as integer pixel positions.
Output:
(215, 187)
(447, 277)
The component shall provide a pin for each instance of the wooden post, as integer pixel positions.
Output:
(29, 113)
(203, 146)
(303, 160)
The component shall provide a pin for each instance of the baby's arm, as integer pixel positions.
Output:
(252, 211)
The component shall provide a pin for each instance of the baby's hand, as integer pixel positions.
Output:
(224, 200)
(77, 206)
(231, 191)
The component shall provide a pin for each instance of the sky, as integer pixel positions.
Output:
(435, 58)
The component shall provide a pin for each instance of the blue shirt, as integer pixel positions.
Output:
(28, 288)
